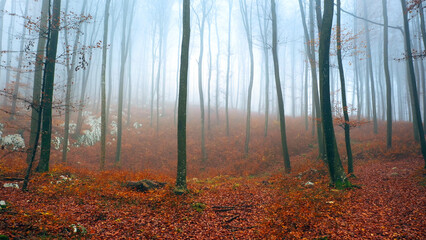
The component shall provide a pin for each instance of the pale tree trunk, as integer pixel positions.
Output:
(178, 66)
(370, 70)
(2, 5)
(387, 76)
(209, 80)
(245, 11)
(264, 28)
(310, 50)
(201, 24)
(217, 71)
(181, 132)
(19, 69)
(70, 76)
(103, 86)
(9, 54)
(227, 68)
(110, 78)
(47, 94)
(124, 53)
(286, 156)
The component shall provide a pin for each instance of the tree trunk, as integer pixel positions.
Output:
(124, 53)
(181, 132)
(387, 76)
(343, 86)
(370, 70)
(201, 24)
(248, 29)
(286, 156)
(70, 76)
(412, 82)
(227, 68)
(103, 86)
(38, 77)
(19, 69)
(337, 174)
(217, 71)
(47, 95)
(310, 50)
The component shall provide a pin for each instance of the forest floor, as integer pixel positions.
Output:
(230, 197)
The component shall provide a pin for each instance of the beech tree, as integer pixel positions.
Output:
(47, 93)
(286, 156)
(412, 81)
(246, 17)
(183, 83)
(337, 174)
(103, 86)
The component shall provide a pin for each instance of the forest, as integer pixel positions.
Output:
(212, 119)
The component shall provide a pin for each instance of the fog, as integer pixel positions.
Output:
(144, 51)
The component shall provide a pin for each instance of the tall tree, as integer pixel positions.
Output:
(337, 174)
(38, 76)
(20, 67)
(412, 81)
(2, 5)
(70, 66)
(264, 32)
(181, 131)
(286, 156)
(370, 70)
(125, 38)
(205, 10)
(245, 12)
(343, 90)
(103, 86)
(49, 79)
(230, 2)
(310, 51)
(387, 76)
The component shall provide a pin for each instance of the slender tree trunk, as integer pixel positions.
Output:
(157, 81)
(286, 156)
(217, 71)
(248, 29)
(200, 78)
(343, 86)
(19, 69)
(209, 80)
(316, 109)
(9, 54)
(124, 53)
(111, 51)
(412, 82)
(103, 86)
(181, 132)
(228, 68)
(370, 70)
(387, 76)
(47, 95)
(2, 5)
(70, 76)
(178, 67)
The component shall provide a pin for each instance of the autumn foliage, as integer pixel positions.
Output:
(231, 196)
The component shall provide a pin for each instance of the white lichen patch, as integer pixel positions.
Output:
(13, 142)
(92, 136)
